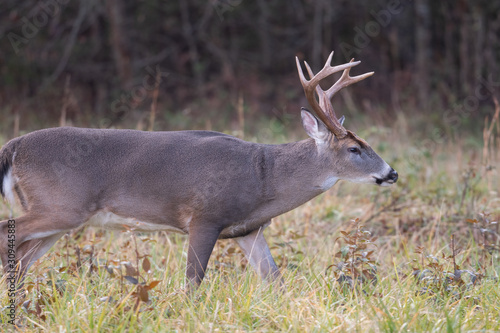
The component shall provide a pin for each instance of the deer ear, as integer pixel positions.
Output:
(313, 127)
(341, 120)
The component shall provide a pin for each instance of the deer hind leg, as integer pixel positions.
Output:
(33, 237)
(32, 250)
(257, 251)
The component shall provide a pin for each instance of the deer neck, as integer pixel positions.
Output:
(300, 173)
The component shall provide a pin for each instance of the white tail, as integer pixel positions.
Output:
(205, 184)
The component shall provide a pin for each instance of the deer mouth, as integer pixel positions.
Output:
(390, 179)
(384, 182)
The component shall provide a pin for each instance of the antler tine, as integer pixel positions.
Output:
(327, 69)
(309, 70)
(324, 69)
(309, 87)
(323, 109)
(346, 80)
(323, 106)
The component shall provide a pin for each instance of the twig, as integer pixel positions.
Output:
(487, 131)
(16, 122)
(154, 102)
(453, 252)
(241, 115)
(62, 120)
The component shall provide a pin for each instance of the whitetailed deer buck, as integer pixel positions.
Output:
(207, 185)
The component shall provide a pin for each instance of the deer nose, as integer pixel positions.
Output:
(393, 175)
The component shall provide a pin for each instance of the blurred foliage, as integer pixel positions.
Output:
(427, 55)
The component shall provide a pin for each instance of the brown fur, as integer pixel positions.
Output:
(206, 184)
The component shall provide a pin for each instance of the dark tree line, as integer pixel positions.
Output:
(425, 53)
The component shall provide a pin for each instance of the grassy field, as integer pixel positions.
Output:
(422, 255)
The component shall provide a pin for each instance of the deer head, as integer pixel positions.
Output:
(350, 157)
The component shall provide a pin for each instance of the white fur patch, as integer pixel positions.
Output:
(43, 234)
(111, 221)
(329, 182)
(8, 187)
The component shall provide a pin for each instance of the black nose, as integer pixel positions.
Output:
(393, 175)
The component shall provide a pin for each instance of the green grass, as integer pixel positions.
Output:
(439, 189)
(233, 299)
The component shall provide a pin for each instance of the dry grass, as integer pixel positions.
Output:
(441, 187)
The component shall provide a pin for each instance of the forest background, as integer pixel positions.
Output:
(421, 255)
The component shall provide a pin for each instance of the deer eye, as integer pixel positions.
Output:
(354, 150)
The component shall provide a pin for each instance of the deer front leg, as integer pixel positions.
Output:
(256, 250)
(201, 243)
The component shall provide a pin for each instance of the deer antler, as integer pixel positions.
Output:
(324, 109)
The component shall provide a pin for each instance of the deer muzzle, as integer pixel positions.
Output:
(390, 179)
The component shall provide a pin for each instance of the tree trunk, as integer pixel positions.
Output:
(478, 44)
(463, 49)
(189, 35)
(423, 61)
(264, 33)
(317, 35)
(450, 67)
(119, 47)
